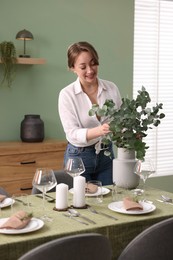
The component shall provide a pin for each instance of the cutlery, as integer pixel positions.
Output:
(77, 219)
(101, 213)
(48, 198)
(75, 213)
(24, 203)
(166, 198)
(166, 202)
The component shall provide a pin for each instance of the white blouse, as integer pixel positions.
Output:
(74, 105)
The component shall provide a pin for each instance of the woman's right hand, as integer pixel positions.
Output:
(98, 131)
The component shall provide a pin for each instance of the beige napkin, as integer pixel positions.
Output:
(130, 204)
(2, 197)
(91, 188)
(17, 221)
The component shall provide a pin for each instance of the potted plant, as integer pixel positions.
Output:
(129, 125)
(8, 59)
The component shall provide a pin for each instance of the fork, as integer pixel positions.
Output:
(101, 213)
(166, 198)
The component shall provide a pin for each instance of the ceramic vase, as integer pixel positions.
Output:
(123, 169)
(32, 129)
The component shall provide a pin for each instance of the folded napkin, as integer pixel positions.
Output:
(17, 221)
(91, 188)
(2, 197)
(130, 204)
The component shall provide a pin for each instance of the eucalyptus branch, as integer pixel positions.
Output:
(129, 124)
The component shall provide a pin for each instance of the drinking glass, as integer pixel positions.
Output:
(21, 203)
(144, 169)
(44, 180)
(74, 166)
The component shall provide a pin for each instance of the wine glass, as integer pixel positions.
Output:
(144, 168)
(74, 166)
(44, 180)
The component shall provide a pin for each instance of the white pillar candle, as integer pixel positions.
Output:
(61, 196)
(79, 191)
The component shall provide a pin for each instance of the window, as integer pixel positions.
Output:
(153, 69)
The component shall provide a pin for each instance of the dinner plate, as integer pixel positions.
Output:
(6, 202)
(102, 191)
(33, 225)
(118, 207)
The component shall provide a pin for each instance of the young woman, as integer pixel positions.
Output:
(84, 132)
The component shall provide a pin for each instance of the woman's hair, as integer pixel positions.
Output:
(75, 49)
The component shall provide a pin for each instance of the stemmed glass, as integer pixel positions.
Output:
(74, 166)
(144, 168)
(44, 180)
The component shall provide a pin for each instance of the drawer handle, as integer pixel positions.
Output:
(26, 188)
(28, 162)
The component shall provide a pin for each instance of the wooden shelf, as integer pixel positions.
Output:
(30, 61)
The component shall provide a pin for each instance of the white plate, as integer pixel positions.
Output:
(102, 191)
(33, 225)
(6, 202)
(118, 207)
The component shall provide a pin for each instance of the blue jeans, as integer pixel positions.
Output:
(97, 166)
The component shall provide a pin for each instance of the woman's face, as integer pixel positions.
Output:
(86, 69)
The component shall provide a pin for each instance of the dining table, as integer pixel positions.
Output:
(120, 230)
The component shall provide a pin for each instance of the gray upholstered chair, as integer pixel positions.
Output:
(61, 177)
(4, 192)
(156, 242)
(76, 247)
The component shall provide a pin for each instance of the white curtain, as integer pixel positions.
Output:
(153, 69)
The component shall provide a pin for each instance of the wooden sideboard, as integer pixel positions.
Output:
(19, 160)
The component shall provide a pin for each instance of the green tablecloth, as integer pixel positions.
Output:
(120, 232)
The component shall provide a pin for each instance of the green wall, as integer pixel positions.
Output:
(55, 24)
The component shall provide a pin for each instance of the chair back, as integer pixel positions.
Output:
(156, 242)
(4, 192)
(76, 247)
(61, 177)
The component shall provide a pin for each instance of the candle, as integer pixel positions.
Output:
(61, 196)
(79, 191)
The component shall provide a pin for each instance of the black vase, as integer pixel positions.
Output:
(32, 129)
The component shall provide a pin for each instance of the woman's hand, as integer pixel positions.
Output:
(104, 129)
(97, 131)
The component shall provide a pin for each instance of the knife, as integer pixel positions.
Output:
(101, 213)
(106, 215)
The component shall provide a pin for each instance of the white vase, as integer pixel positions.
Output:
(123, 169)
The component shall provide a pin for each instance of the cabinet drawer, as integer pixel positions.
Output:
(18, 186)
(23, 166)
(19, 160)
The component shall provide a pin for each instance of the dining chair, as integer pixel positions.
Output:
(155, 242)
(78, 247)
(4, 192)
(61, 177)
